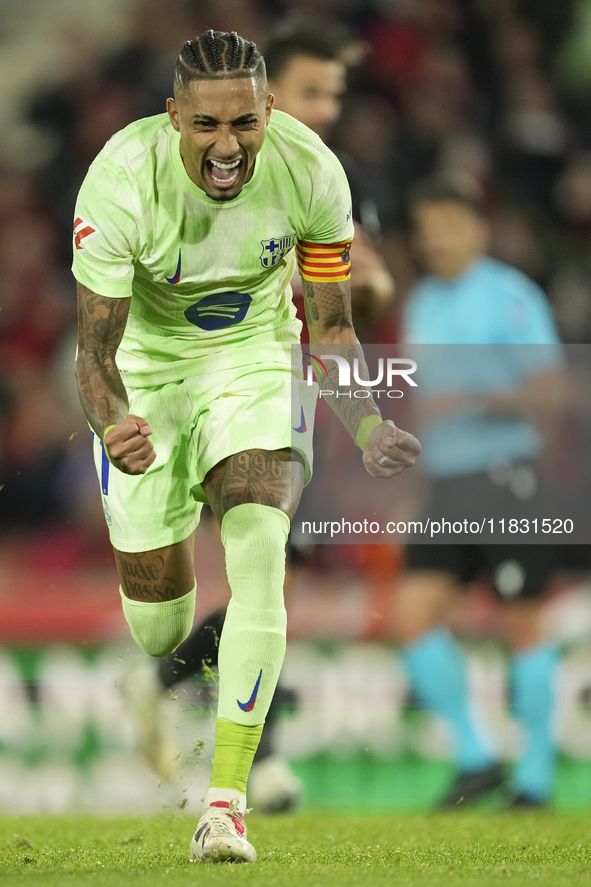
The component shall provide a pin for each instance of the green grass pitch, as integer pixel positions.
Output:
(309, 849)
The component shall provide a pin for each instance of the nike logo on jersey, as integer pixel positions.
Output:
(83, 229)
(248, 706)
(303, 427)
(218, 311)
(177, 274)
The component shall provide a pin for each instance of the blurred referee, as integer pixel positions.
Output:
(468, 298)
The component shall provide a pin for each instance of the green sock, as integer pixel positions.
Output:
(160, 627)
(252, 645)
(235, 747)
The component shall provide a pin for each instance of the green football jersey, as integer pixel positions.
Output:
(209, 280)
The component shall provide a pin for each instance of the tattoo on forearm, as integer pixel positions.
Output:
(349, 408)
(328, 305)
(328, 308)
(101, 324)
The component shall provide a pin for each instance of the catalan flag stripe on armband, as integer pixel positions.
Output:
(328, 262)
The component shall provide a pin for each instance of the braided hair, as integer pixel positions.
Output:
(218, 55)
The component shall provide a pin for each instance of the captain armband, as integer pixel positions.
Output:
(324, 262)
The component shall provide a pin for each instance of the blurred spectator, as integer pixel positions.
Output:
(35, 309)
(535, 136)
(518, 237)
(368, 133)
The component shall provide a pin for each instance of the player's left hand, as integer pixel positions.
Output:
(390, 450)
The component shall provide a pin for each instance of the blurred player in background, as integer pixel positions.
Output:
(468, 298)
(178, 216)
(306, 70)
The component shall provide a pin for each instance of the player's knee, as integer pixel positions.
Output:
(256, 530)
(254, 538)
(159, 628)
(159, 646)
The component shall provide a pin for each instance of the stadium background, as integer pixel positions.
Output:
(497, 89)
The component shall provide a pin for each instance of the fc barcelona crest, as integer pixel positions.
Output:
(275, 249)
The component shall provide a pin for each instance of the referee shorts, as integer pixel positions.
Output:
(514, 571)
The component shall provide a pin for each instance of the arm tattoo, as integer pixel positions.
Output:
(328, 313)
(328, 305)
(349, 408)
(101, 324)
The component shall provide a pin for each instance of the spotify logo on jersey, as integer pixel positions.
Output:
(218, 311)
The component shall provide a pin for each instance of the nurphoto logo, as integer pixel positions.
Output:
(389, 370)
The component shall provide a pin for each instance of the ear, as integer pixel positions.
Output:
(173, 113)
(269, 107)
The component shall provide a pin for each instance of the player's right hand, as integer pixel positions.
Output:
(129, 447)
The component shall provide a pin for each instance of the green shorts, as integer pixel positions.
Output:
(198, 422)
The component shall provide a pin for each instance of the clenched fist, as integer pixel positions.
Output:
(390, 450)
(129, 447)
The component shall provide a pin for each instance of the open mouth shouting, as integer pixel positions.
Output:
(224, 175)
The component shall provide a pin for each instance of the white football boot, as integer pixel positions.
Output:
(221, 835)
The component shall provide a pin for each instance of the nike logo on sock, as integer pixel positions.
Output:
(248, 706)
